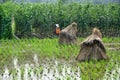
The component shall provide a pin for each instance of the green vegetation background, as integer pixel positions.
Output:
(40, 18)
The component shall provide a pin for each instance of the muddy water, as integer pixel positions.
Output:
(47, 70)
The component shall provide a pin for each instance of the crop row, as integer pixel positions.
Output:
(40, 18)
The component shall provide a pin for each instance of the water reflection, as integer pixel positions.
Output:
(49, 70)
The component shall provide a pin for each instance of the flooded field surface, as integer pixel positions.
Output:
(48, 70)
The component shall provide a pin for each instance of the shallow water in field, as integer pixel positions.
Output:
(113, 74)
(51, 69)
(48, 70)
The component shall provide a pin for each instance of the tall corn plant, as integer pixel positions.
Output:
(6, 30)
(23, 17)
(1, 21)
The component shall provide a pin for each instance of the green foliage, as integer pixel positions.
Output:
(5, 24)
(1, 21)
(23, 19)
(41, 17)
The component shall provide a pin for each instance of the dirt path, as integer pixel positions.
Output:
(112, 46)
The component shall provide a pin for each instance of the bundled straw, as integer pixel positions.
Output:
(92, 47)
(68, 34)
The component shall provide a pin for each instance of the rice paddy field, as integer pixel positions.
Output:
(45, 59)
(35, 53)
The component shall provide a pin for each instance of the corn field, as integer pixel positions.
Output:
(24, 19)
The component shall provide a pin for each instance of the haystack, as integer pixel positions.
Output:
(68, 34)
(92, 48)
